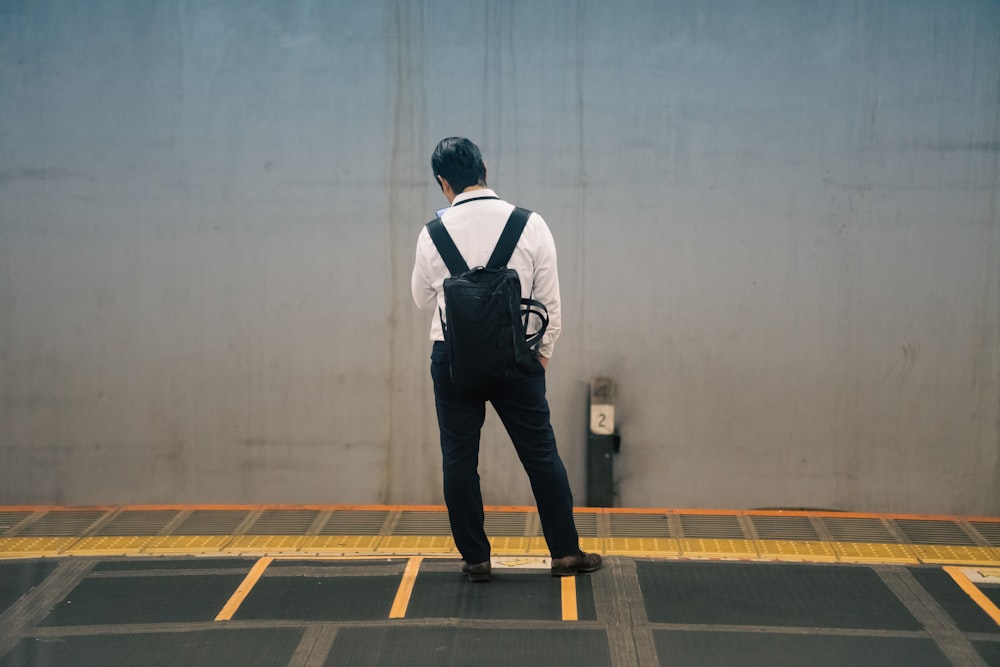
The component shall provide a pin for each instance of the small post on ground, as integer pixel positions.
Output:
(602, 443)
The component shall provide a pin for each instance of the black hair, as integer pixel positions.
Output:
(458, 161)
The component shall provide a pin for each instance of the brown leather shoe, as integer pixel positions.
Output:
(477, 572)
(578, 564)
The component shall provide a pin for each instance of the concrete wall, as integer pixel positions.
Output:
(777, 224)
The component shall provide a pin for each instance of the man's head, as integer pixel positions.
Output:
(457, 161)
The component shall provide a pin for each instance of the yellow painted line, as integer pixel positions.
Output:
(569, 612)
(973, 591)
(402, 600)
(253, 576)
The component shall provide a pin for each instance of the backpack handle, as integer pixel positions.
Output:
(531, 307)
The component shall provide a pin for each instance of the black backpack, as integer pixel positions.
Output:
(485, 320)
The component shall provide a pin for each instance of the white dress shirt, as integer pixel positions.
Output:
(475, 227)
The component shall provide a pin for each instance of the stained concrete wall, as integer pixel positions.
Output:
(777, 225)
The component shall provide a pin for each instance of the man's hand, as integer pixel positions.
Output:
(544, 361)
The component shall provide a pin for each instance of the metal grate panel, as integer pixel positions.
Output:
(283, 522)
(712, 526)
(10, 519)
(990, 531)
(859, 529)
(639, 525)
(423, 523)
(934, 531)
(63, 523)
(355, 522)
(506, 524)
(212, 522)
(784, 528)
(138, 523)
(586, 523)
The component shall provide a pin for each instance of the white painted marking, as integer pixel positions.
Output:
(521, 563)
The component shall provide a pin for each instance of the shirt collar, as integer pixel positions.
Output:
(474, 194)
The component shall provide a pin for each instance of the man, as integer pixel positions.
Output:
(474, 220)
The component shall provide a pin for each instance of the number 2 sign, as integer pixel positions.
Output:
(602, 406)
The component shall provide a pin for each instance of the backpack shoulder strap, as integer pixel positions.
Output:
(509, 238)
(446, 247)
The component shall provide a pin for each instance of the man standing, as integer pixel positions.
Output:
(474, 221)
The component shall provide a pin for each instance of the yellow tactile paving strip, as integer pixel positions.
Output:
(829, 537)
(864, 552)
(797, 551)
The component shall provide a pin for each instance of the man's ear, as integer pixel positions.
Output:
(446, 188)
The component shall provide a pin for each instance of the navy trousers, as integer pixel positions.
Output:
(524, 411)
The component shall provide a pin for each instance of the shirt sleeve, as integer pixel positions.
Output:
(424, 294)
(545, 286)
